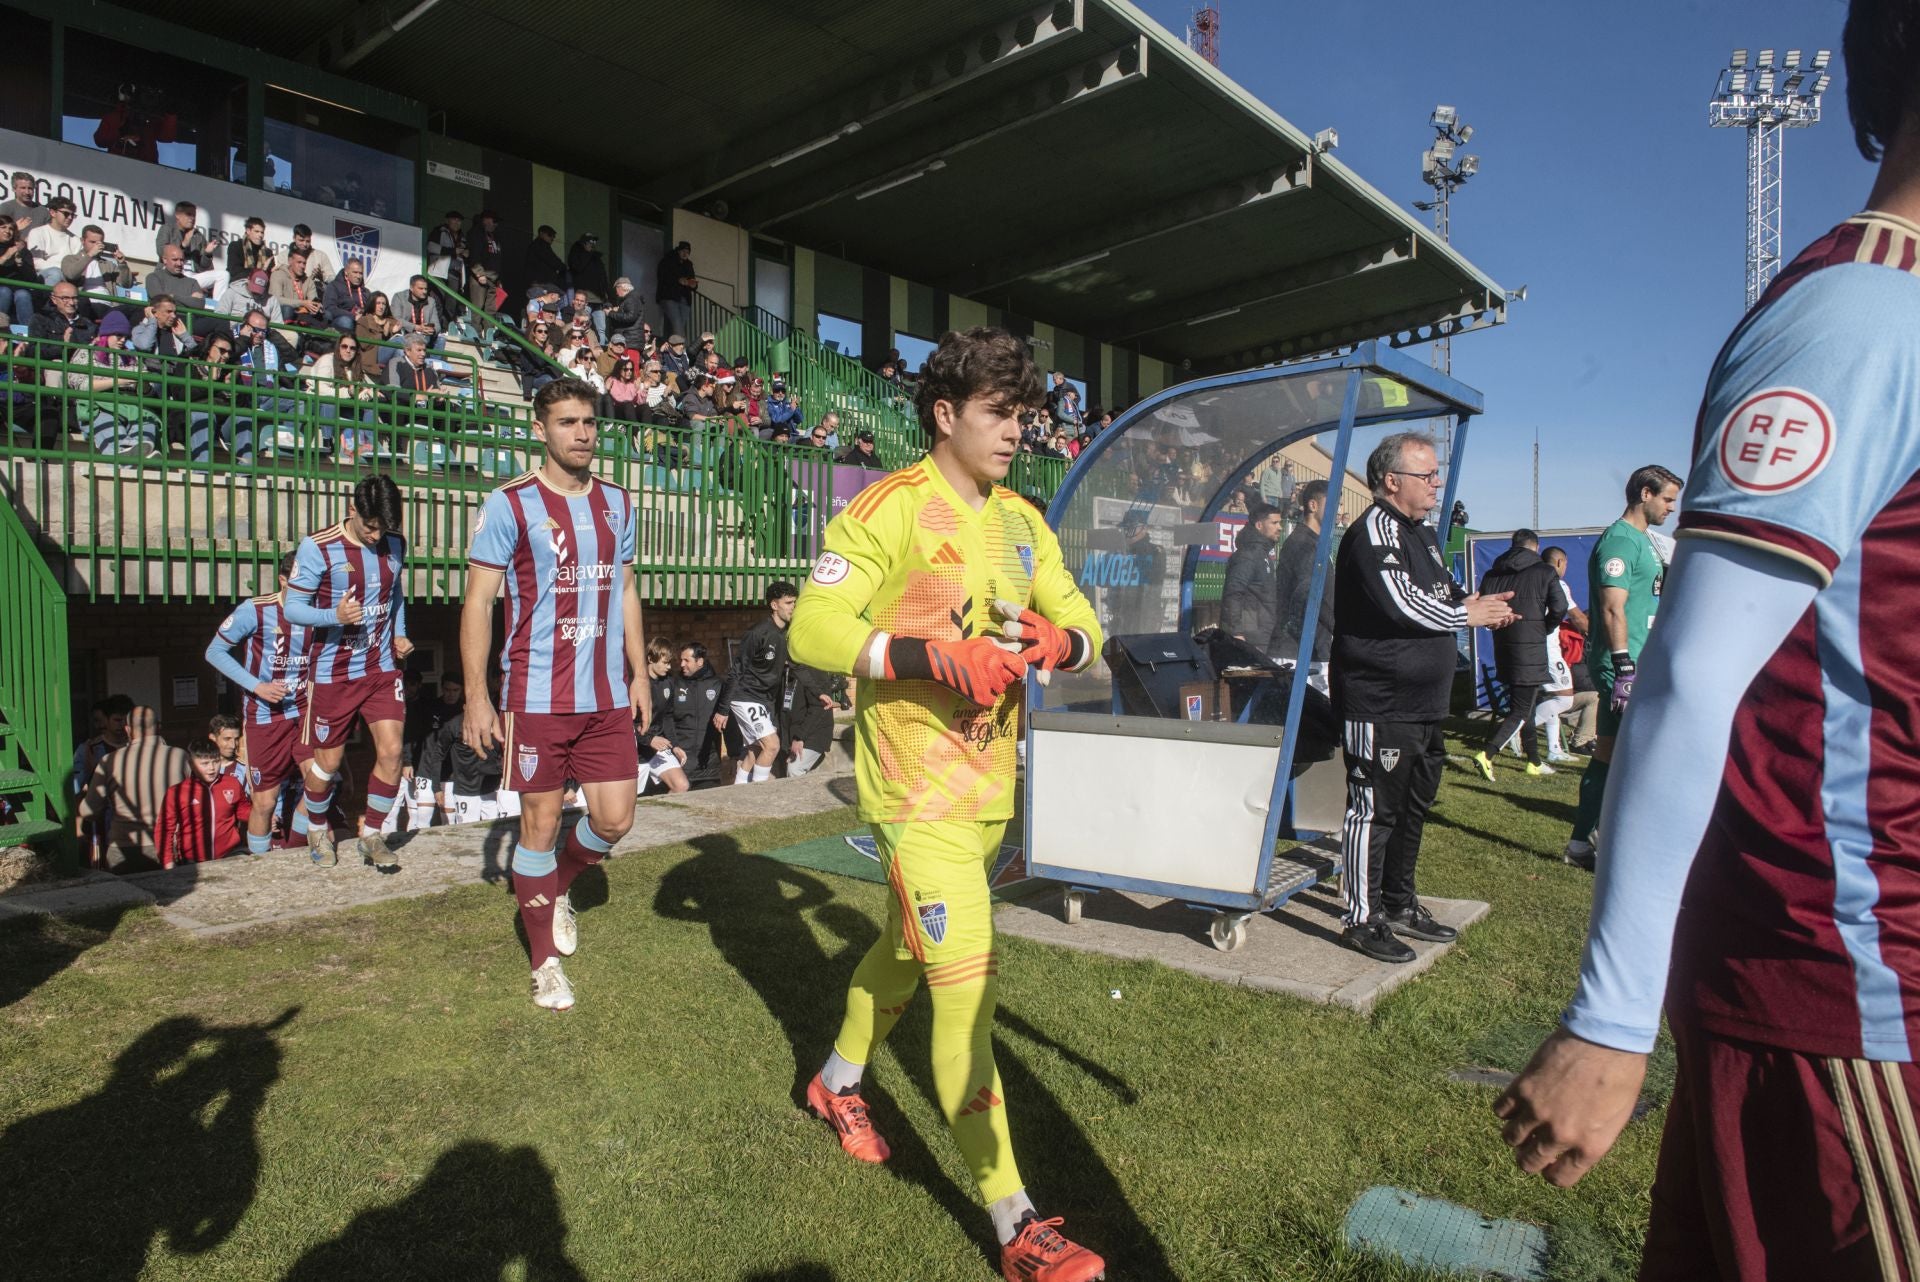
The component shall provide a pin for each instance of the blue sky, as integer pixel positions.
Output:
(1601, 189)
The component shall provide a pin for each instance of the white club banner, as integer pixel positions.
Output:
(131, 201)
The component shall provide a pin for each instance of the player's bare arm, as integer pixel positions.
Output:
(480, 728)
(639, 688)
(1613, 618)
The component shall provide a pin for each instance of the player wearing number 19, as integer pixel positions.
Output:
(938, 588)
(346, 586)
(573, 671)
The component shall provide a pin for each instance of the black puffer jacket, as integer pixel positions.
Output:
(1248, 606)
(1520, 648)
(689, 717)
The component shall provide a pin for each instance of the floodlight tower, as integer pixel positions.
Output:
(1764, 100)
(1444, 171)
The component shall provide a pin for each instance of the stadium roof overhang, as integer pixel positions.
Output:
(1069, 161)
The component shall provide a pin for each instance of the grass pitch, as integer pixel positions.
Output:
(371, 1095)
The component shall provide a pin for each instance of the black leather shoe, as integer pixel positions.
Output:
(1415, 922)
(1375, 939)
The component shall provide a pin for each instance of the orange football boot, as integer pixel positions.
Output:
(1038, 1253)
(847, 1115)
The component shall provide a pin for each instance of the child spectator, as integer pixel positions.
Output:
(205, 815)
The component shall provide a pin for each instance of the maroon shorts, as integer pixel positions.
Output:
(274, 752)
(1779, 1165)
(332, 706)
(545, 749)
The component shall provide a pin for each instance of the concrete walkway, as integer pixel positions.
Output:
(251, 890)
(1295, 949)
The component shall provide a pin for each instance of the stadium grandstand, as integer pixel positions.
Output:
(265, 249)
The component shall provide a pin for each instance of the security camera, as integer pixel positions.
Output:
(1326, 140)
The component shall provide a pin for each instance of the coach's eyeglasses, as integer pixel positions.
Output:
(1431, 478)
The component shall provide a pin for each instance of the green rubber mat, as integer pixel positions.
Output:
(854, 855)
(1430, 1233)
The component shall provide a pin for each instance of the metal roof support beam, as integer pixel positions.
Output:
(982, 53)
(1217, 305)
(1184, 214)
(903, 162)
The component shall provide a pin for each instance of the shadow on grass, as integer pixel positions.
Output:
(793, 1273)
(1546, 807)
(480, 1209)
(755, 909)
(36, 948)
(165, 1149)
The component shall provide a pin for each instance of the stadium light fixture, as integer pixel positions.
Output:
(932, 166)
(1763, 101)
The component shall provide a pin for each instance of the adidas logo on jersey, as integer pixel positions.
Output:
(982, 1102)
(948, 555)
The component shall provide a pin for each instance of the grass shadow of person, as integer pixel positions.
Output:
(480, 1209)
(760, 930)
(808, 1272)
(165, 1148)
(36, 947)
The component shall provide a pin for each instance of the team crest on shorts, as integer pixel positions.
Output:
(1389, 758)
(933, 920)
(528, 760)
(253, 774)
(321, 730)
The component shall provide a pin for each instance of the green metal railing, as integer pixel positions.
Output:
(35, 689)
(167, 482)
(493, 329)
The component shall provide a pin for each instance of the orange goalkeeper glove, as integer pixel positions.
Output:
(1042, 643)
(978, 669)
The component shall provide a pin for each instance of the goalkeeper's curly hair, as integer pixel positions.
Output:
(979, 362)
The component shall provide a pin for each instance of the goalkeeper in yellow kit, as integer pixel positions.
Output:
(938, 590)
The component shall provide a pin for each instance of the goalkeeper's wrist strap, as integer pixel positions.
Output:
(1079, 650)
(1622, 663)
(906, 659)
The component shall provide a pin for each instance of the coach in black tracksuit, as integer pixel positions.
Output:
(1520, 650)
(1396, 610)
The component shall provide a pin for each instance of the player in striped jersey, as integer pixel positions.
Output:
(938, 588)
(346, 586)
(561, 542)
(272, 677)
(1760, 873)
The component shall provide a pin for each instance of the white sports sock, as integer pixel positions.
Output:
(1007, 1213)
(762, 773)
(840, 1074)
(743, 773)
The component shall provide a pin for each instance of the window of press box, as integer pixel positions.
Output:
(147, 106)
(334, 155)
(26, 90)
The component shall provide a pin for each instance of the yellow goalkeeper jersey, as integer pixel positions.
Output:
(912, 558)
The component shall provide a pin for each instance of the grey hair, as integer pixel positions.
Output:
(1388, 455)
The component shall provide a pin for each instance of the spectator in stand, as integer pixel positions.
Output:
(662, 406)
(16, 272)
(447, 252)
(783, 409)
(582, 323)
(60, 325)
(97, 268)
(674, 362)
(216, 405)
(183, 230)
(698, 405)
(205, 815)
(135, 129)
(376, 329)
(583, 367)
(128, 789)
(419, 312)
(319, 266)
(252, 292)
(588, 269)
(162, 330)
(780, 436)
(108, 378)
(51, 243)
(678, 282)
(831, 422)
(626, 394)
(172, 279)
(608, 357)
(544, 270)
(753, 406)
(628, 311)
(345, 298)
(412, 374)
(341, 379)
(861, 453)
(250, 253)
(1056, 390)
(25, 210)
(817, 437)
(266, 369)
(484, 251)
(1067, 413)
(298, 292)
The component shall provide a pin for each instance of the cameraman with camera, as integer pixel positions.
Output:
(97, 268)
